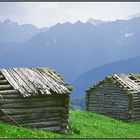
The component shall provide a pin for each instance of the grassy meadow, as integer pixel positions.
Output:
(82, 124)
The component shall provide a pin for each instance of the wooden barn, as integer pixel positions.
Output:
(34, 98)
(116, 96)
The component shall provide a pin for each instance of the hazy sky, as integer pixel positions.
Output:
(49, 13)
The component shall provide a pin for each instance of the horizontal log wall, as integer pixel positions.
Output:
(42, 112)
(136, 106)
(109, 100)
(65, 115)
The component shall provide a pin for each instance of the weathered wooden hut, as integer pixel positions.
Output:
(116, 96)
(34, 98)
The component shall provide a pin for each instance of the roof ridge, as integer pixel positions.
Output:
(126, 81)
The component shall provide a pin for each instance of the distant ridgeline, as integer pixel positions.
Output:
(77, 104)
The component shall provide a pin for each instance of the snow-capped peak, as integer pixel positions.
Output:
(95, 21)
(128, 35)
(133, 16)
(9, 22)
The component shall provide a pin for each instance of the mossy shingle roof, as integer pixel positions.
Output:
(32, 81)
(129, 82)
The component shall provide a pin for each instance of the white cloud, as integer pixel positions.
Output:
(50, 13)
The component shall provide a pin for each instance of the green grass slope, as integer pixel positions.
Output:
(82, 125)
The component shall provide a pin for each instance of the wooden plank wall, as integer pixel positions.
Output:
(109, 100)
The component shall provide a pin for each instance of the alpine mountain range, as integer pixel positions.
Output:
(83, 53)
